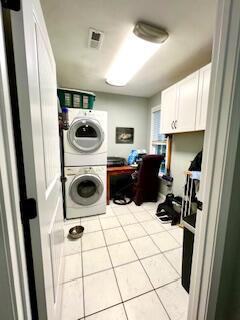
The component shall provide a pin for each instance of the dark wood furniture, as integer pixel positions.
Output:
(115, 171)
(147, 183)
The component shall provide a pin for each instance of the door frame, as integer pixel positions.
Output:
(219, 159)
(12, 253)
(152, 110)
(222, 125)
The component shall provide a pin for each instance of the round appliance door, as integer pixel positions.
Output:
(86, 189)
(85, 135)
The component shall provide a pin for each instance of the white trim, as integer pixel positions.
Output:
(11, 233)
(153, 109)
(156, 108)
(219, 156)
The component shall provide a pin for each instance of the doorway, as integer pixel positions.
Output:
(209, 253)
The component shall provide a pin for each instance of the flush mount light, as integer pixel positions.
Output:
(150, 33)
(140, 45)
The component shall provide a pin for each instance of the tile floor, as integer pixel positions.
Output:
(125, 267)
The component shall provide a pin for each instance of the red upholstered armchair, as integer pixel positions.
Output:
(147, 182)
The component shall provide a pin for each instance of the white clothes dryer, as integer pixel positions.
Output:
(85, 192)
(85, 142)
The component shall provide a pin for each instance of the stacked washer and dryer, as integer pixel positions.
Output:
(85, 161)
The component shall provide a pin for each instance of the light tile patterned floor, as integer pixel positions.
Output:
(125, 267)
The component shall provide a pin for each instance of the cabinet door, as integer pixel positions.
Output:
(168, 109)
(187, 103)
(203, 93)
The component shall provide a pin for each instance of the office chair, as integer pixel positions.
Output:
(146, 185)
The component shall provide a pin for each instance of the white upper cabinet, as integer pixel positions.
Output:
(184, 105)
(203, 93)
(187, 103)
(168, 109)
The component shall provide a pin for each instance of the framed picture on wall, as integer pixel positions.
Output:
(124, 135)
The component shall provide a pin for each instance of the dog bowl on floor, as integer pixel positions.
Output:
(76, 232)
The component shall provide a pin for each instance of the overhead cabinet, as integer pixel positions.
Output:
(168, 109)
(184, 105)
(203, 93)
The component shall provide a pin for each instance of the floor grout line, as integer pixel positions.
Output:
(124, 301)
(141, 223)
(96, 272)
(112, 244)
(115, 274)
(163, 252)
(114, 305)
(83, 282)
(148, 278)
(112, 268)
(123, 264)
(137, 296)
(167, 284)
(172, 263)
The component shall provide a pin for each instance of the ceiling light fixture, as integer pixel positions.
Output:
(139, 46)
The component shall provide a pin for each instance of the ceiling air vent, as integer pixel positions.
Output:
(95, 39)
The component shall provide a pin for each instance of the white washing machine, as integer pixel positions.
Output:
(85, 142)
(85, 192)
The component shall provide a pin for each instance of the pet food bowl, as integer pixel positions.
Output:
(76, 232)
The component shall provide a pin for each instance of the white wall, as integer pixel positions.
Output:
(124, 111)
(185, 147)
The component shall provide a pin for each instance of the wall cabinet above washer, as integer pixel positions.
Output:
(184, 105)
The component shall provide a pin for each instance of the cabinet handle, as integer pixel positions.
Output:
(172, 125)
(175, 124)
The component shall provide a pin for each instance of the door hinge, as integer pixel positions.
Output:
(63, 179)
(11, 4)
(28, 209)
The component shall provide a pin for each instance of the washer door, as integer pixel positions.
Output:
(85, 135)
(86, 189)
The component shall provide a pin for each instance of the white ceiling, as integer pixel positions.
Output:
(190, 25)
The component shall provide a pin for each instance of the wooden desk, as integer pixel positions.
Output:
(115, 171)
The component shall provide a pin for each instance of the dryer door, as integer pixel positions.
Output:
(86, 189)
(85, 135)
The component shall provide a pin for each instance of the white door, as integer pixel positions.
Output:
(37, 95)
(168, 109)
(187, 103)
(203, 93)
(14, 293)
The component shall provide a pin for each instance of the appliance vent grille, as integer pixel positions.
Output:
(95, 39)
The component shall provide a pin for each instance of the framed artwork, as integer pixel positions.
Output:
(124, 135)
